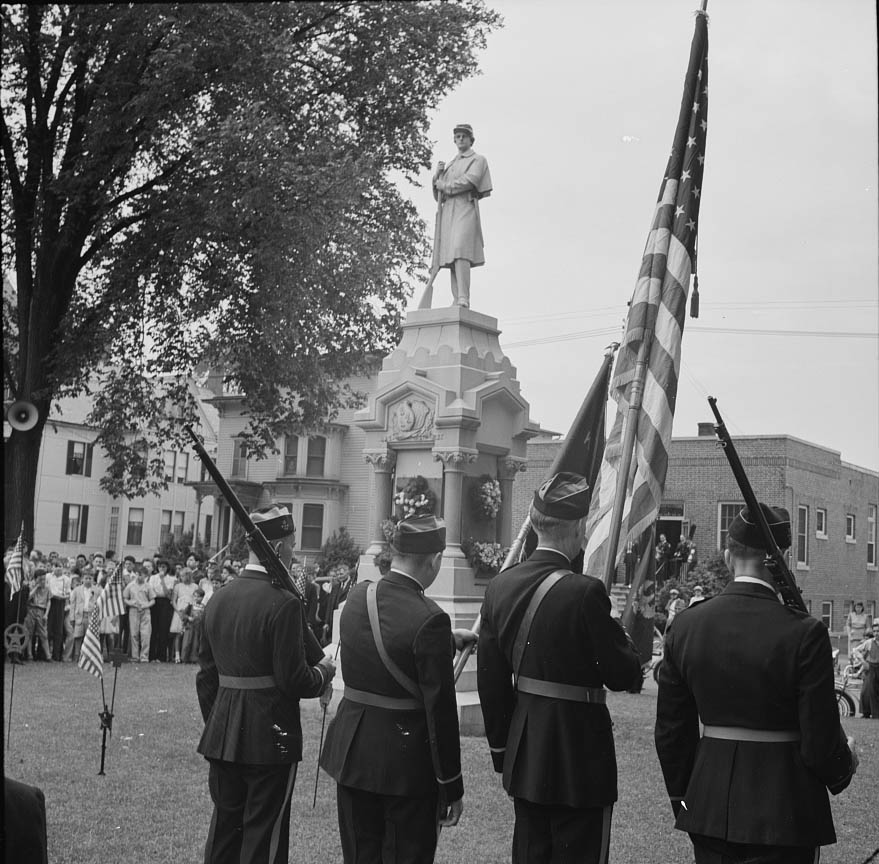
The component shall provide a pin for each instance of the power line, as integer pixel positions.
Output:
(604, 331)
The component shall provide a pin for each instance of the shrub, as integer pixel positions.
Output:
(339, 548)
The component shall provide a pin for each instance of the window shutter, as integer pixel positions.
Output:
(69, 468)
(65, 514)
(88, 459)
(84, 523)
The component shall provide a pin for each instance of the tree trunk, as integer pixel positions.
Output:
(21, 455)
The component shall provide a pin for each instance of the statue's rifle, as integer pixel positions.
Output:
(427, 296)
(775, 562)
(260, 546)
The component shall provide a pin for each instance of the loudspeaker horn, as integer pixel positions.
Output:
(22, 415)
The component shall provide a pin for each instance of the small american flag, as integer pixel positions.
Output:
(656, 316)
(16, 564)
(108, 605)
(90, 657)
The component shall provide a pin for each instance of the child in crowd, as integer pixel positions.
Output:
(192, 624)
(37, 614)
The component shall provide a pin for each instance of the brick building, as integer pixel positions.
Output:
(833, 507)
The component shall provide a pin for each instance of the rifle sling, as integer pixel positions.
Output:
(524, 631)
(396, 672)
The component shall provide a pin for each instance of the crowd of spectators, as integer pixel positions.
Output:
(164, 602)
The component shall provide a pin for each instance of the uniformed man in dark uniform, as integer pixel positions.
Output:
(759, 676)
(253, 672)
(393, 746)
(547, 647)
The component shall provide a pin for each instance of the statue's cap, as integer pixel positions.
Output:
(274, 522)
(419, 535)
(746, 529)
(564, 496)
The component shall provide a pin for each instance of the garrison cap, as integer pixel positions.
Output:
(564, 496)
(746, 529)
(276, 523)
(466, 128)
(419, 535)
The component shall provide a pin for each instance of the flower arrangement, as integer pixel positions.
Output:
(486, 496)
(485, 558)
(416, 498)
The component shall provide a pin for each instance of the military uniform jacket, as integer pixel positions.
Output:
(393, 752)
(552, 751)
(743, 659)
(252, 629)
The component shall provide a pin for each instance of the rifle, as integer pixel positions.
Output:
(260, 546)
(774, 563)
(427, 296)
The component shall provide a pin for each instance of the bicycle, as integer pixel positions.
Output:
(844, 702)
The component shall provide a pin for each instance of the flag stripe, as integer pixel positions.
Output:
(656, 313)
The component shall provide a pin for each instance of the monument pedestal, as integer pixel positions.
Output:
(448, 408)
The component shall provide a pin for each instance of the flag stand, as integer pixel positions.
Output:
(106, 716)
(610, 565)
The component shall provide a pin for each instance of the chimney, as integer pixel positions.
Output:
(706, 430)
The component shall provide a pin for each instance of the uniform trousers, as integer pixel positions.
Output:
(386, 829)
(711, 850)
(251, 820)
(552, 834)
(139, 628)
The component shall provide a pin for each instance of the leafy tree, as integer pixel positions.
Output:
(194, 186)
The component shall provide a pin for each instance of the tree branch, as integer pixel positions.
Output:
(11, 167)
(102, 239)
(164, 175)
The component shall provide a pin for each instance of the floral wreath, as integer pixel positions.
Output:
(486, 497)
(416, 498)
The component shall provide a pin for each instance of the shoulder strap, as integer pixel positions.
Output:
(396, 672)
(525, 627)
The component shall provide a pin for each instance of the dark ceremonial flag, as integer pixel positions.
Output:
(654, 329)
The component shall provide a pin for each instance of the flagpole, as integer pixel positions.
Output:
(628, 446)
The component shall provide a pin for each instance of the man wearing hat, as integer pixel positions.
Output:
(393, 746)
(458, 187)
(547, 648)
(759, 676)
(252, 673)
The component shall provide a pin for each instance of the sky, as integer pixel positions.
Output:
(575, 109)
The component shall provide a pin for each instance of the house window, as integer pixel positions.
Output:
(79, 458)
(317, 451)
(312, 526)
(849, 527)
(871, 535)
(821, 523)
(114, 527)
(827, 613)
(291, 446)
(208, 524)
(177, 526)
(725, 515)
(802, 536)
(182, 467)
(169, 466)
(134, 535)
(165, 527)
(239, 459)
(74, 523)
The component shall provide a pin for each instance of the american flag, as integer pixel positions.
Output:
(656, 319)
(108, 605)
(16, 564)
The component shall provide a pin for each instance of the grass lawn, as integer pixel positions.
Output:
(152, 806)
